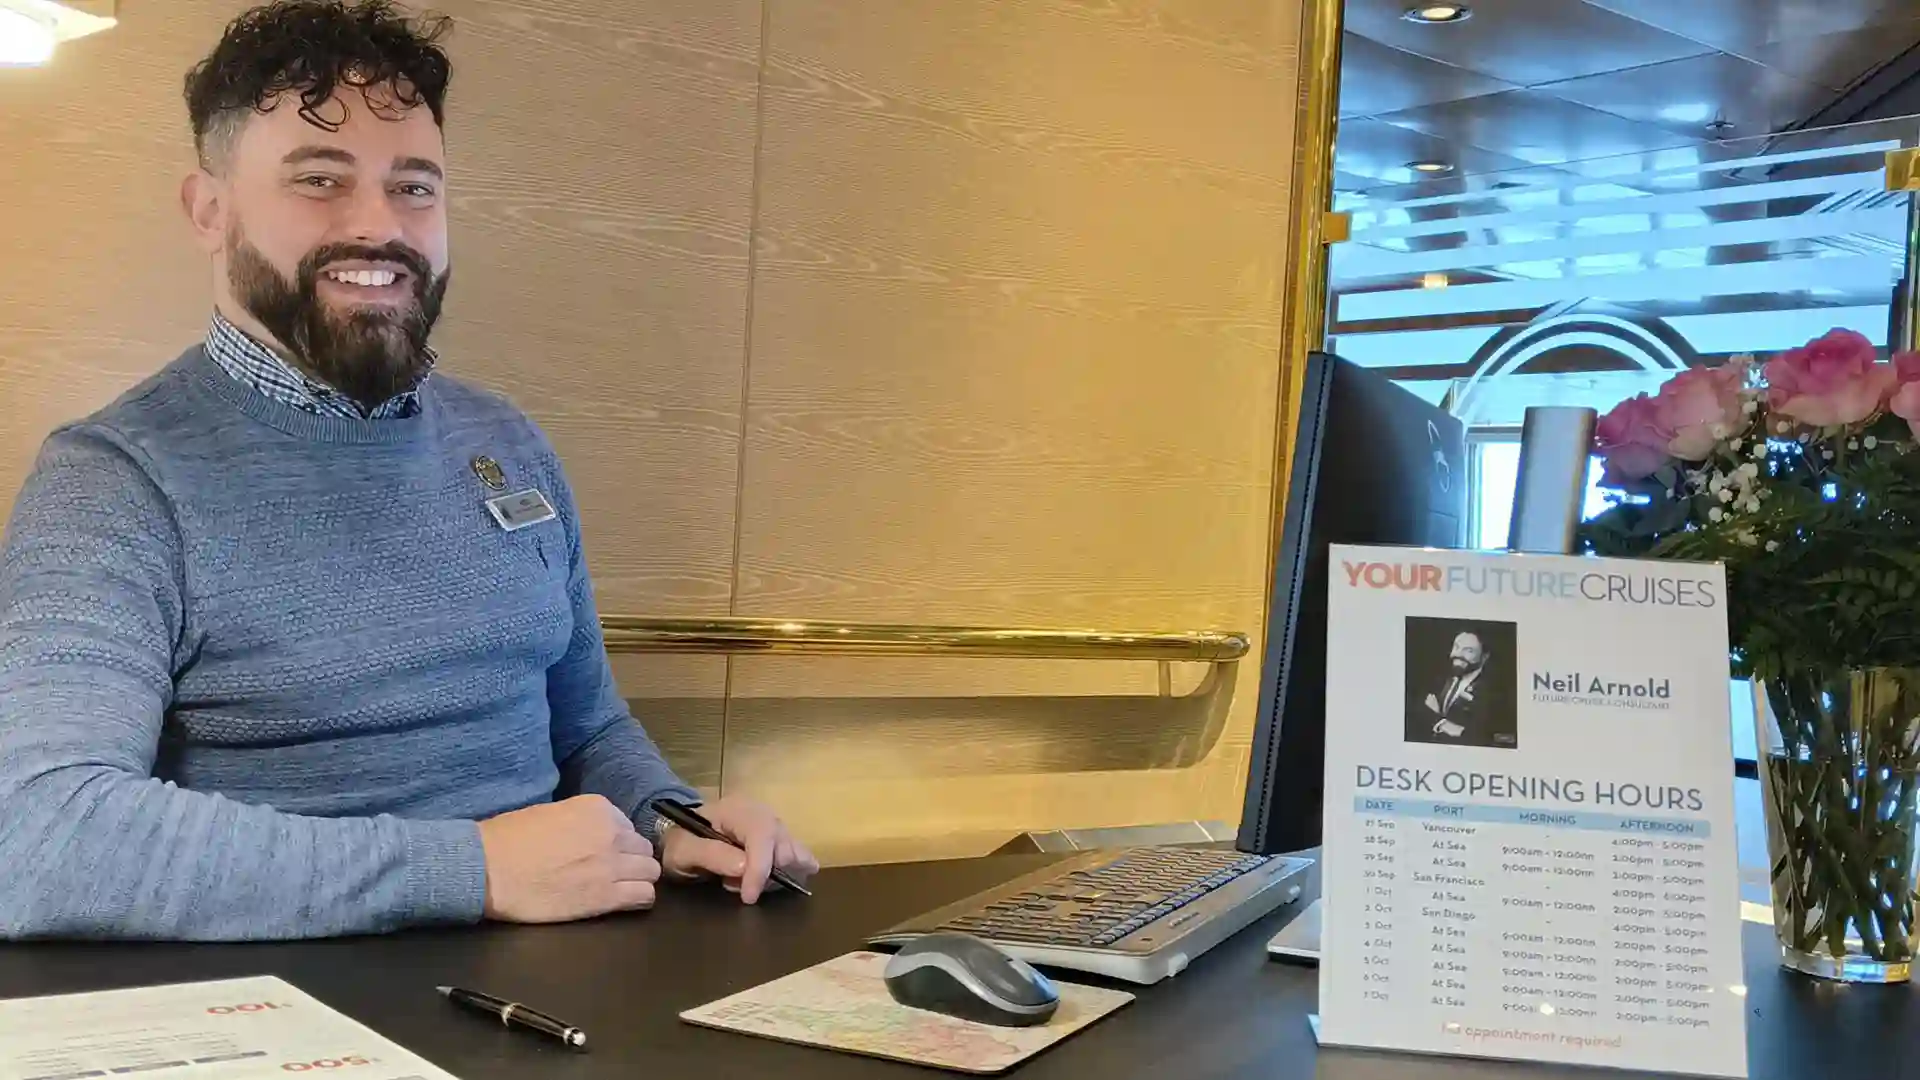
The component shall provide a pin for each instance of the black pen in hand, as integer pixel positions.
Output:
(694, 822)
(515, 1015)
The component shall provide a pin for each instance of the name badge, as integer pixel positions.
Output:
(521, 509)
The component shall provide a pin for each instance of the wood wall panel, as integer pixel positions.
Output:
(1014, 333)
(601, 218)
(100, 285)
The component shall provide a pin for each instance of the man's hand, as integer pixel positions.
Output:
(557, 862)
(1450, 729)
(754, 826)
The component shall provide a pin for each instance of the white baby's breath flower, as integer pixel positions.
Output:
(1750, 470)
(1725, 494)
(1773, 545)
(1782, 427)
(1751, 505)
(1735, 445)
(1759, 450)
(1826, 452)
(1716, 514)
(1721, 431)
(1872, 441)
(1805, 438)
(1750, 408)
(1853, 444)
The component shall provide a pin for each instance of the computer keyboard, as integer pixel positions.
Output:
(1138, 914)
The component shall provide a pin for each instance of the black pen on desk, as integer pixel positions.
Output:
(513, 1014)
(691, 820)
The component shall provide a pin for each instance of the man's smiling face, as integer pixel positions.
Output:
(1468, 654)
(329, 239)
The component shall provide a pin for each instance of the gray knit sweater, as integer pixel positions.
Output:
(261, 671)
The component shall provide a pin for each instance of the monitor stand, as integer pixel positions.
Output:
(1299, 940)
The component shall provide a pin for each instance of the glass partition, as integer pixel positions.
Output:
(1588, 282)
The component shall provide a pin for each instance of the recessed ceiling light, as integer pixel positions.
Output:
(30, 29)
(24, 39)
(1437, 14)
(1431, 168)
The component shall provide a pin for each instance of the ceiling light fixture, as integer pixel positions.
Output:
(1431, 168)
(1438, 14)
(31, 29)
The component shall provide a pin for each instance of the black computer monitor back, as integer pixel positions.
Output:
(1373, 463)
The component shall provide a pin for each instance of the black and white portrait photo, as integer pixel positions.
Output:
(1462, 685)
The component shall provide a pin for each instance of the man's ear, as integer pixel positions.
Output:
(204, 199)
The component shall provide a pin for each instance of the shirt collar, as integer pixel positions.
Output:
(253, 363)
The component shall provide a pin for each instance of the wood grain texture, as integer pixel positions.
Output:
(601, 215)
(1014, 331)
(101, 285)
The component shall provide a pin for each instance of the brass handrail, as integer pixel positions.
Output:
(632, 634)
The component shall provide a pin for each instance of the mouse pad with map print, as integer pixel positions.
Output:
(843, 1004)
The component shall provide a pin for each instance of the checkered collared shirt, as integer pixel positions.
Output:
(261, 369)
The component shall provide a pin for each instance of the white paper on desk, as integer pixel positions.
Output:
(233, 1029)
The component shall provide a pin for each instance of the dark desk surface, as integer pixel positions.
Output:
(1234, 1013)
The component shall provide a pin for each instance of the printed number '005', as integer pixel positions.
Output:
(325, 1063)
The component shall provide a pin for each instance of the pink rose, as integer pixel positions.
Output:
(1701, 406)
(1832, 380)
(1631, 441)
(1905, 402)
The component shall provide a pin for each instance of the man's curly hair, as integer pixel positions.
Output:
(312, 48)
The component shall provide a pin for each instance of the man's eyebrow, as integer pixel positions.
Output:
(304, 154)
(419, 165)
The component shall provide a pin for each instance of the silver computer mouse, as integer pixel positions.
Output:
(961, 975)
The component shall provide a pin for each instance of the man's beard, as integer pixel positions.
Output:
(371, 353)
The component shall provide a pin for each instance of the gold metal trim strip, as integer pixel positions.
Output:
(632, 634)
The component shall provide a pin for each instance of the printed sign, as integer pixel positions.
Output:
(1529, 837)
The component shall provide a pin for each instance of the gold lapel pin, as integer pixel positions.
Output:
(490, 472)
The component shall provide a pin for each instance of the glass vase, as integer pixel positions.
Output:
(1839, 757)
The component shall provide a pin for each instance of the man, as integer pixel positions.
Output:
(1457, 708)
(297, 638)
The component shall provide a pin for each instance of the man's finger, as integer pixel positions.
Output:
(628, 867)
(804, 862)
(697, 855)
(632, 895)
(632, 843)
(759, 842)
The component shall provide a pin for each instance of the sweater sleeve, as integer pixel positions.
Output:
(91, 623)
(600, 748)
